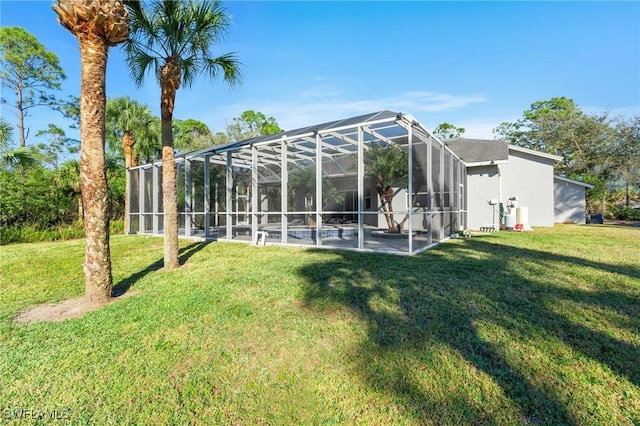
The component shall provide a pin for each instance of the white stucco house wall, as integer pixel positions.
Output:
(570, 201)
(497, 171)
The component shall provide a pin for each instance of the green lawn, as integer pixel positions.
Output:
(508, 328)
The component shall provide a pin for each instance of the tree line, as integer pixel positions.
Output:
(598, 149)
(170, 43)
(40, 181)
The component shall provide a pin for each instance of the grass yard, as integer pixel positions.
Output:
(508, 328)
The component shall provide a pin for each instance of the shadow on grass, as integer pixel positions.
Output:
(412, 305)
(185, 254)
(630, 224)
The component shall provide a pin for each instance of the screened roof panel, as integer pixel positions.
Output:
(296, 132)
(339, 137)
(308, 130)
(358, 120)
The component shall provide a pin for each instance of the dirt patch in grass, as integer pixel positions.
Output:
(65, 309)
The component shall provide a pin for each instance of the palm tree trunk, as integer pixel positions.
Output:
(80, 209)
(387, 210)
(128, 142)
(169, 83)
(97, 260)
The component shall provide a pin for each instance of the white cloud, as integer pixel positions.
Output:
(322, 103)
(479, 128)
(427, 101)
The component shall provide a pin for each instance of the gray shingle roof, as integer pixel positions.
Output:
(473, 151)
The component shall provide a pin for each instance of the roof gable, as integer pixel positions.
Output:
(479, 151)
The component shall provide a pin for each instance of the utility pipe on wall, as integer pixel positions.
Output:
(497, 225)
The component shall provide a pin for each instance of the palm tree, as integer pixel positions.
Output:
(129, 121)
(97, 25)
(148, 146)
(388, 168)
(174, 40)
(19, 159)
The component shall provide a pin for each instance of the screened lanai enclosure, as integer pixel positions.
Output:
(377, 182)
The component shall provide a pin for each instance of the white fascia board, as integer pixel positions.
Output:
(486, 163)
(556, 158)
(575, 182)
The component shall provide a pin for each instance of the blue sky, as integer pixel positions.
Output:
(473, 64)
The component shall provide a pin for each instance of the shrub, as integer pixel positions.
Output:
(32, 233)
(625, 213)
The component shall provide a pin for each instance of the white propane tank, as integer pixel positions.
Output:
(522, 218)
(510, 221)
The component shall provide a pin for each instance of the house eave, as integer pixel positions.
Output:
(555, 158)
(486, 163)
(575, 182)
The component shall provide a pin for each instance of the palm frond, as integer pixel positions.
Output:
(141, 62)
(387, 166)
(148, 143)
(6, 133)
(19, 159)
(230, 66)
(184, 31)
(124, 114)
(190, 68)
